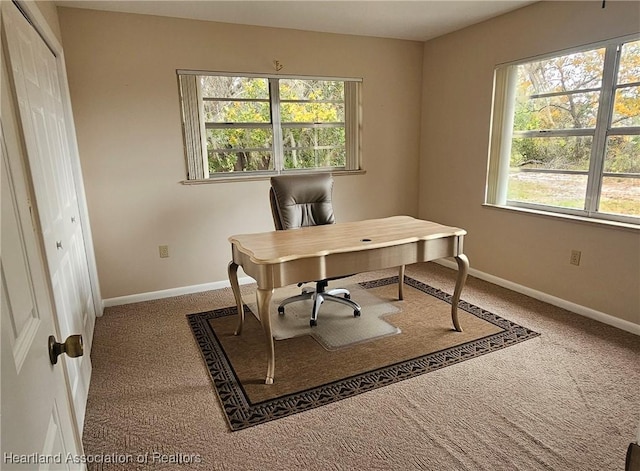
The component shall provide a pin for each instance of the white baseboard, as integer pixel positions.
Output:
(168, 293)
(547, 298)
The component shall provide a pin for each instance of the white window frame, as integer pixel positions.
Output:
(194, 128)
(501, 134)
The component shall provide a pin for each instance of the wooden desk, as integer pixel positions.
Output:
(281, 258)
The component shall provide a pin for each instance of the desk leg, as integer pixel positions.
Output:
(401, 283)
(463, 269)
(232, 270)
(263, 297)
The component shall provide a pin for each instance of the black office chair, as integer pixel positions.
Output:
(301, 201)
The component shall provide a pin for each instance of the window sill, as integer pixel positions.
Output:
(265, 176)
(569, 217)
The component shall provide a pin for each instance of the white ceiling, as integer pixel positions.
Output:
(414, 19)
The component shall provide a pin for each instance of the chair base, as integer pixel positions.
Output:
(319, 296)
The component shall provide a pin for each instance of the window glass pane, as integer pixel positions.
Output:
(236, 112)
(577, 71)
(312, 112)
(572, 111)
(547, 92)
(623, 154)
(629, 71)
(620, 195)
(311, 101)
(214, 86)
(551, 189)
(314, 158)
(550, 171)
(224, 139)
(551, 153)
(297, 89)
(621, 191)
(626, 107)
(242, 161)
(312, 137)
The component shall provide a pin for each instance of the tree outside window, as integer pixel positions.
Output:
(252, 124)
(570, 133)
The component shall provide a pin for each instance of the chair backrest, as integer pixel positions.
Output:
(301, 200)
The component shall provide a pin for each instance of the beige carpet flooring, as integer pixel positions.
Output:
(567, 400)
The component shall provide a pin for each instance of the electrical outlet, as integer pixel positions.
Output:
(575, 257)
(164, 251)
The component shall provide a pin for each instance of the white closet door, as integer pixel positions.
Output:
(37, 415)
(37, 89)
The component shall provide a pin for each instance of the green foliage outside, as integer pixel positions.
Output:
(554, 95)
(312, 117)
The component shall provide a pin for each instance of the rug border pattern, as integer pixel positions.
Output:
(241, 413)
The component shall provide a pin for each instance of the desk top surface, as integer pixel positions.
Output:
(280, 246)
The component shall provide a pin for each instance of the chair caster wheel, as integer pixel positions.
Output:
(356, 313)
(281, 310)
(347, 296)
(313, 322)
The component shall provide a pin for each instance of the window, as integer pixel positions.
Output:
(237, 125)
(566, 133)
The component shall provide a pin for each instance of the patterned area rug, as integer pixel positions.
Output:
(308, 376)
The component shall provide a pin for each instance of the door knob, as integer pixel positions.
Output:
(72, 347)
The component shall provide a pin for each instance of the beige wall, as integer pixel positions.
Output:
(122, 78)
(529, 250)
